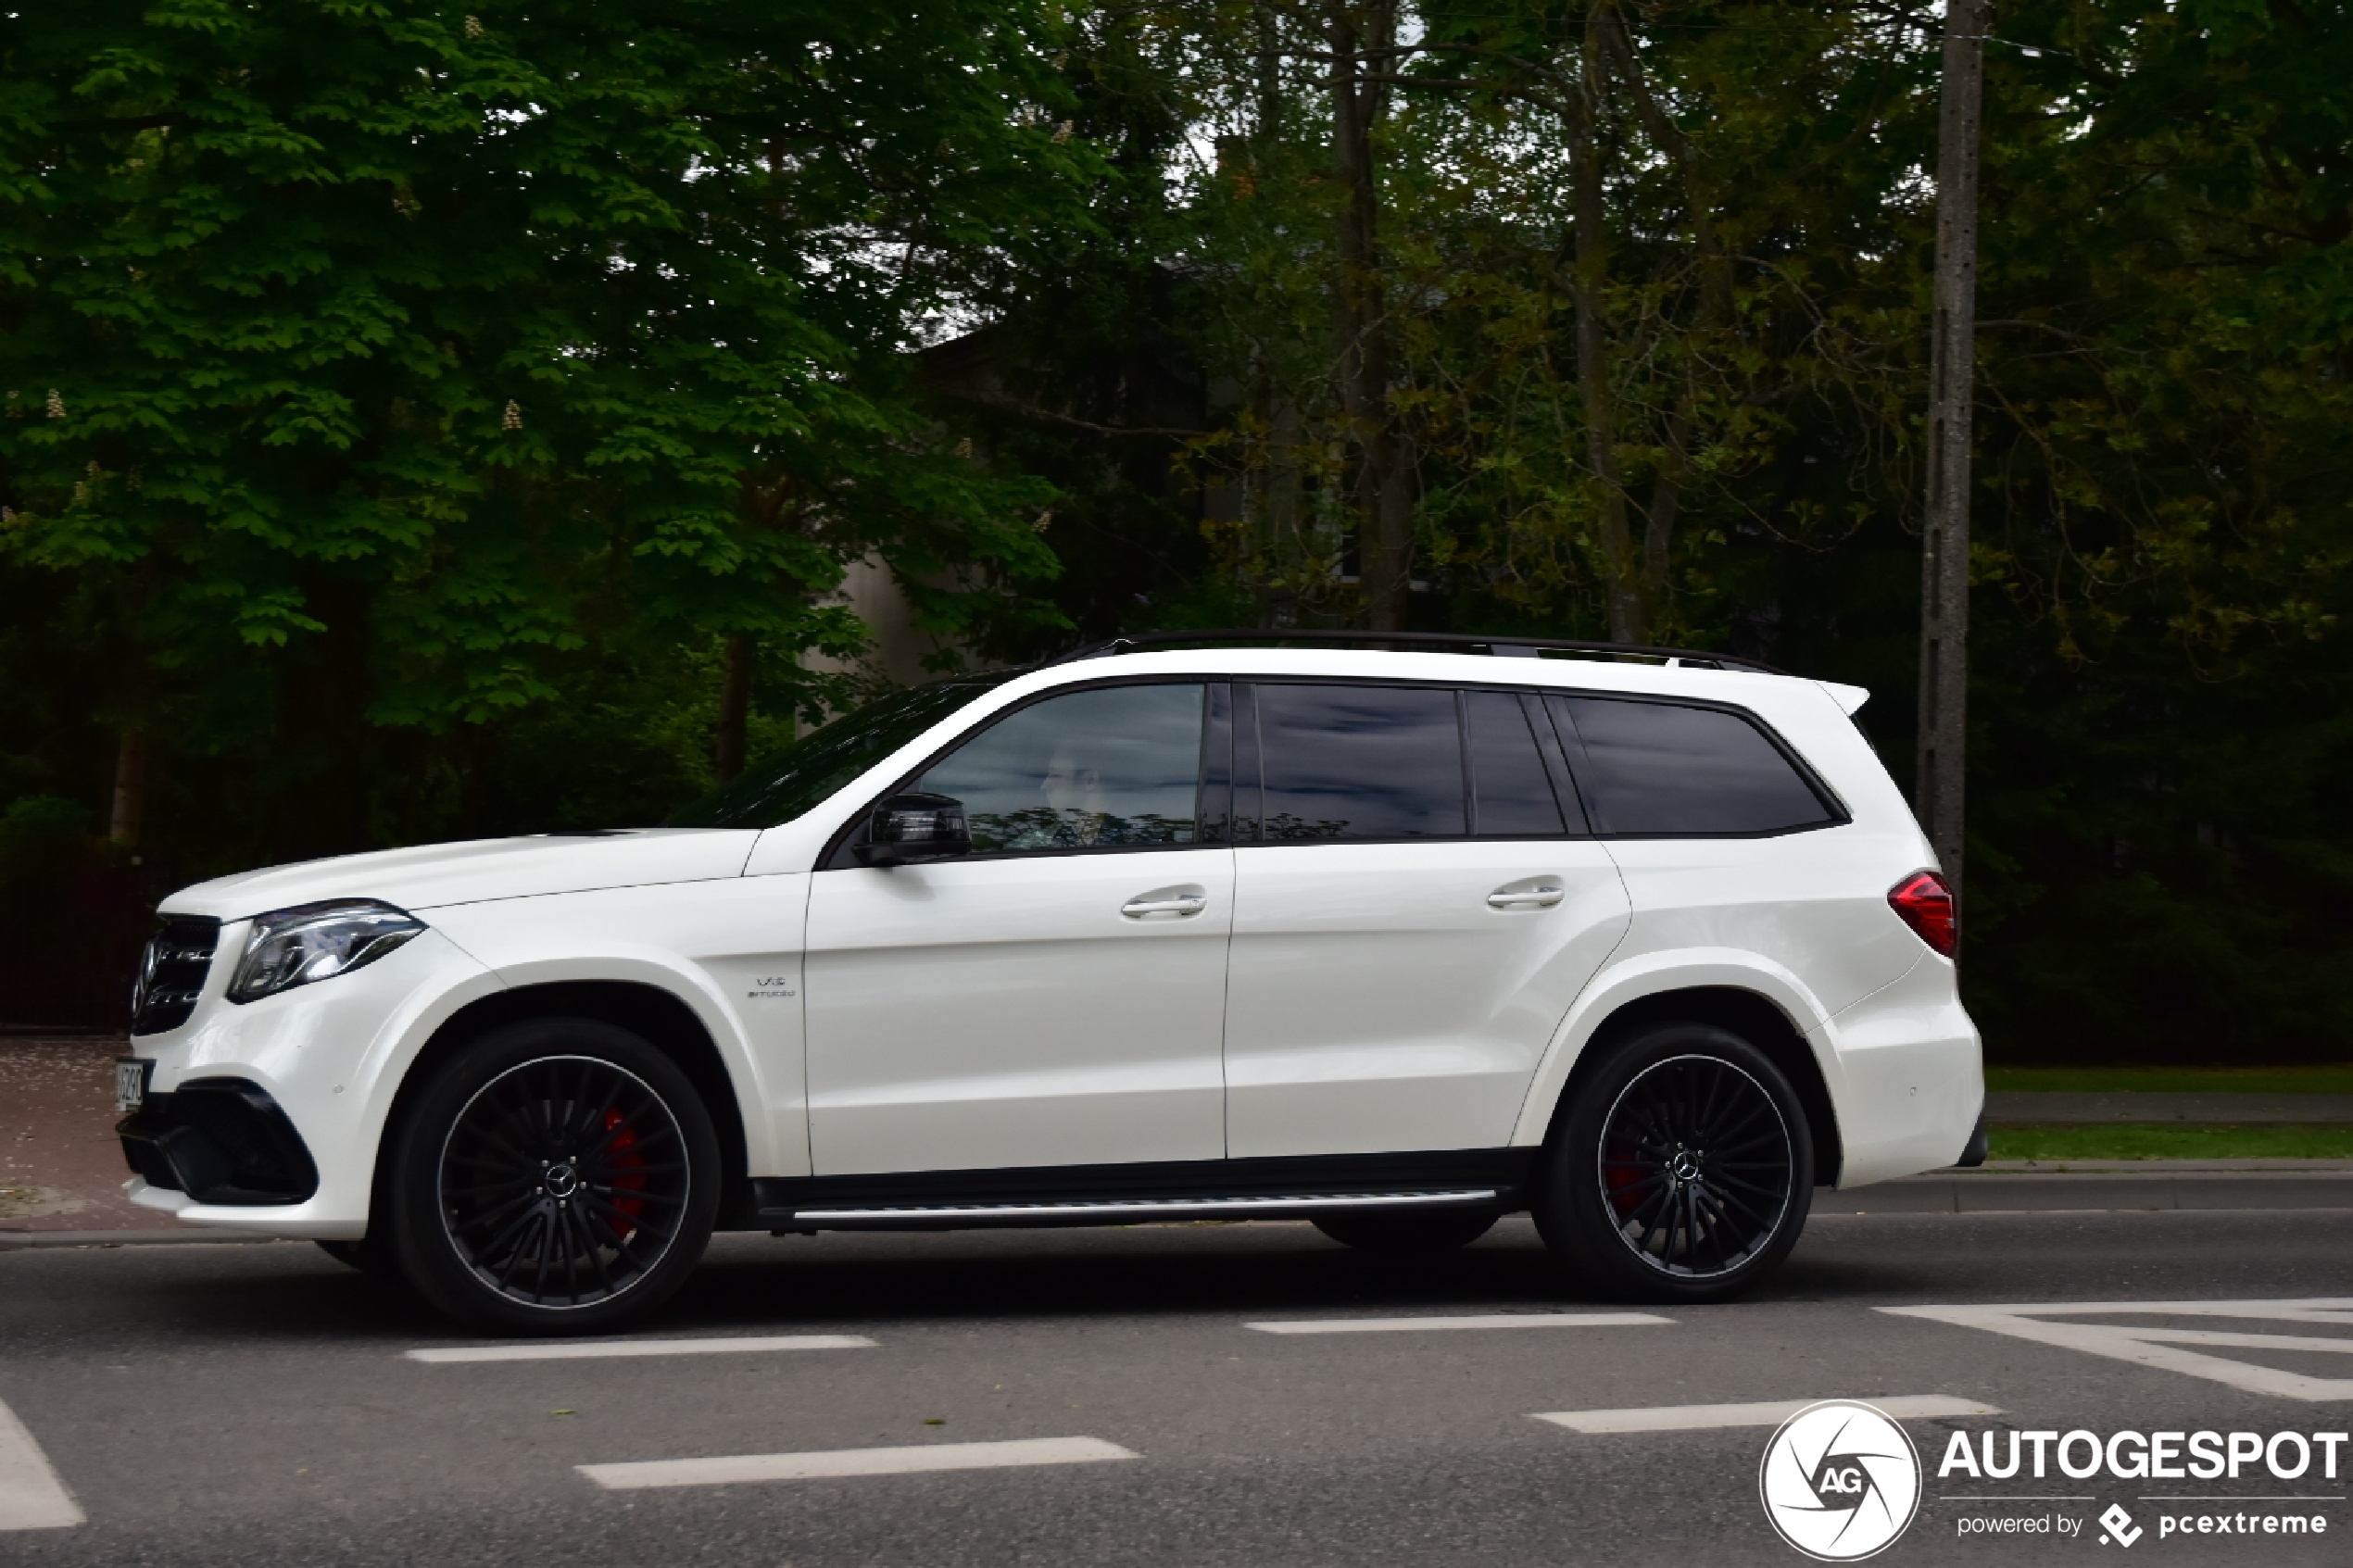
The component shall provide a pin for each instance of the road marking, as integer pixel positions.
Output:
(32, 1497)
(1768, 1413)
(593, 1349)
(2157, 1346)
(734, 1468)
(1492, 1320)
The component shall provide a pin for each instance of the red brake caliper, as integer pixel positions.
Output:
(628, 1167)
(1619, 1174)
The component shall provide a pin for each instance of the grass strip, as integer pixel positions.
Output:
(2335, 1079)
(2125, 1140)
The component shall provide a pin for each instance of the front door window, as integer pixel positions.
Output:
(1096, 770)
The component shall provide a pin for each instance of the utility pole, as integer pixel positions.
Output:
(1943, 732)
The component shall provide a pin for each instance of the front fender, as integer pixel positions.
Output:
(729, 952)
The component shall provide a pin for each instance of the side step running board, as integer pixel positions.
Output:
(1111, 1211)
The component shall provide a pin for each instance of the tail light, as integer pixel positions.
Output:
(1926, 904)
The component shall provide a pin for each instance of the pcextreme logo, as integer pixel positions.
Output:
(1841, 1481)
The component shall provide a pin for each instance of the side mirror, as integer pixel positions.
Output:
(910, 828)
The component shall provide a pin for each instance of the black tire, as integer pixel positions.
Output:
(370, 1255)
(1683, 1171)
(556, 1176)
(1445, 1230)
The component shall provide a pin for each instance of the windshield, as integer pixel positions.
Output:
(805, 772)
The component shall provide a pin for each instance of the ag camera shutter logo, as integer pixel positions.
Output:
(1841, 1481)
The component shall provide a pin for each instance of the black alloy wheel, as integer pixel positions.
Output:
(559, 1175)
(1406, 1231)
(1684, 1170)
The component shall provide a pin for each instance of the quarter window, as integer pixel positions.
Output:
(1663, 770)
(1357, 762)
(1102, 769)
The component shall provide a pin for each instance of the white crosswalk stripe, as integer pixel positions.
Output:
(1489, 1320)
(2163, 1346)
(32, 1497)
(594, 1350)
(735, 1467)
(1765, 1413)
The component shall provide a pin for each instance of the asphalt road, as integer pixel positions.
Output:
(257, 1404)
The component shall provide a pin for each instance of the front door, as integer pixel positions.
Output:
(1055, 998)
(1414, 915)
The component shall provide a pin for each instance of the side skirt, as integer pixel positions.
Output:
(1489, 1179)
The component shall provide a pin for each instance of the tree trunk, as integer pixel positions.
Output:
(734, 708)
(1628, 614)
(128, 816)
(1384, 476)
(1945, 541)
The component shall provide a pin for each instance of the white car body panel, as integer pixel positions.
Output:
(976, 1015)
(1376, 1003)
(430, 876)
(1914, 1081)
(996, 1011)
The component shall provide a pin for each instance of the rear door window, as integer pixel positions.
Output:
(1360, 762)
(1659, 770)
(1511, 786)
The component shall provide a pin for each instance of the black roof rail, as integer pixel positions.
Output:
(1435, 642)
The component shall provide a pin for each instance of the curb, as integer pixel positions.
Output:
(1996, 1193)
(25, 1241)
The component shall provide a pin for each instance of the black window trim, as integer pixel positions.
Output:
(1549, 758)
(836, 854)
(1838, 815)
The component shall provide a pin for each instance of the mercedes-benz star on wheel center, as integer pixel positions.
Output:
(1393, 941)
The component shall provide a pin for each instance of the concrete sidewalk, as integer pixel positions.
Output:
(61, 1167)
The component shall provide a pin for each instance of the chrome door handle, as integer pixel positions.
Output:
(1176, 904)
(1543, 896)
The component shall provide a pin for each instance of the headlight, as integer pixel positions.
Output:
(290, 947)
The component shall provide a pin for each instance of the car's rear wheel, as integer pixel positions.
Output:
(559, 1175)
(1683, 1171)
(1440, 1230)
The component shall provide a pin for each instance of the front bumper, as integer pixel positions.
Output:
(311, 1075)
(220, 1141)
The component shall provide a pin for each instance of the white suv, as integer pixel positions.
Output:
(1393, 941)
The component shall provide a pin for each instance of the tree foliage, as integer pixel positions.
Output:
(374, 361)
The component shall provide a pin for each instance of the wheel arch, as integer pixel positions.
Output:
(661, 1017)
(1748, 1013)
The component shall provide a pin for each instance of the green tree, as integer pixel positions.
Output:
(370, 358)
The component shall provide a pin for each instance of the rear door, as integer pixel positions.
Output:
(1417, 904)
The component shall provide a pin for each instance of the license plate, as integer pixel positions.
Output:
(130, 1083)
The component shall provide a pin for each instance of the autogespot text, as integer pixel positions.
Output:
(2136, 1456)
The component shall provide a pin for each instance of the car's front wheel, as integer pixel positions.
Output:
(559, 1175)
(1683, 1171)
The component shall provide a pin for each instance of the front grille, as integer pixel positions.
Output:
(172, 974)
